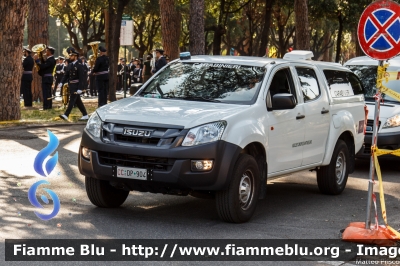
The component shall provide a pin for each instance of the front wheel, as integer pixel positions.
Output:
(332, 178)
(102, 194)
(238, 203)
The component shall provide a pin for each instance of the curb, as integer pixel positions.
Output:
(43, 125)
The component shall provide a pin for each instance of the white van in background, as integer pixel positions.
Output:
(389, 120)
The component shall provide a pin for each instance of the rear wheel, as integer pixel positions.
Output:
(238, 203)
(332, 178)
(103, 195)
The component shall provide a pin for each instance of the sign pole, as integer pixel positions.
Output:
(373, 144)
(125, 72)
(126, 38)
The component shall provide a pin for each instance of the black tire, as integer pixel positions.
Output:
(332, 178)
(235, 205)
(103, 195)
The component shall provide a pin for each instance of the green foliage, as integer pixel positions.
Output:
(236, 24)
(84, 20)
(146, 23)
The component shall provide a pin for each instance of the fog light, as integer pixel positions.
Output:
(202, 165)
(86, 153)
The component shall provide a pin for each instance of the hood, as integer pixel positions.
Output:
(170, 112)
(387, 110)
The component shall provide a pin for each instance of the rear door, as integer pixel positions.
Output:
(286, 127)
(316, 112)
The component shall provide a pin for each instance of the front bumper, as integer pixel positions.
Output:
(388, 141)
(176, 173)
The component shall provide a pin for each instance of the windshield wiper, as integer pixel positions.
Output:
(199, 98)
(391, 101)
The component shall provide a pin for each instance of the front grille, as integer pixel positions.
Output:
(141, 140)
(127, 160)
(370, 124)
(148, 136)
(367, 148)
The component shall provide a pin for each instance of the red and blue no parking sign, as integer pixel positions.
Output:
(379, 30)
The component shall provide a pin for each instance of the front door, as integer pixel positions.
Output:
(286, 127)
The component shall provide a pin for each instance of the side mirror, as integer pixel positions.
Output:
(283, 101)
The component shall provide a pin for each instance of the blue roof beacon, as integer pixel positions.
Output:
(184, 55)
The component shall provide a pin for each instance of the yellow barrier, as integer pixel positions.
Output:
(378, 152)
(387, 76)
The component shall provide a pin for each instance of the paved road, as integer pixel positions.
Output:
(294, 208)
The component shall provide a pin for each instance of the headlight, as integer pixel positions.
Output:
(204, 134)
(94, 125)
(393, 121)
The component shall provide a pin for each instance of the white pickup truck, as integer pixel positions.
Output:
(221, 126)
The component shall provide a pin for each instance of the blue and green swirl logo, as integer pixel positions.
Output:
(44, 169)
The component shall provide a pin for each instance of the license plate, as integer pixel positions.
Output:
(131, 173)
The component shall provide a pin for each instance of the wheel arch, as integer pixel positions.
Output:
(348, 137)
(257, 150)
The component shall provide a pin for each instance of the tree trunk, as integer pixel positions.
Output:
(302, 31)
(12, 13)
(217, 40)
(339, 38)
(196, 27)
(326, 43)
(359, 51)
(266, 28)
(38, 32)
(170, 28)
(112, 43)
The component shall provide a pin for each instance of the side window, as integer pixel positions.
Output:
(342, 83)
(309, 83)
(282, 83)
(355, 83)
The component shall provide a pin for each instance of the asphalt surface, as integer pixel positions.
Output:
(293, 208)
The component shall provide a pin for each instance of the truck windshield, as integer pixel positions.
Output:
(214, 82)
(367, 75)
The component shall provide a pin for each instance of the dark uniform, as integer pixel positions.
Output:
(124, 75)
(92, 87)
(119, 76)
(86, 72)
(26, 80)
(160, 63)
(46, 71)
(137, 75)
(75, 76)
(100, 70)
(60, 69)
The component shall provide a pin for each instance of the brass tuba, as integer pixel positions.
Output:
(39, 48)
(95, 48)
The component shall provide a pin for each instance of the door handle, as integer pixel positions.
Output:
(300, 117)
(324, 111)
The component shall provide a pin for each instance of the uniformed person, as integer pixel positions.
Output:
(92, 87)
(119, 75)
(46, 71)
(100, 71)
(60, 69)
(124, 75)
(86, 71)
(160, 60)
(75, 76)
(26, 80)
